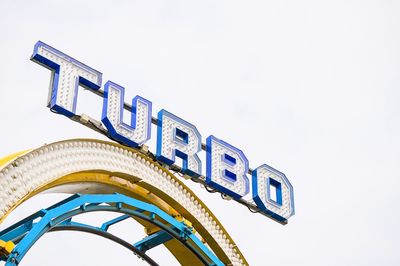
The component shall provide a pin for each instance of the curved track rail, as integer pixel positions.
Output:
(59, 217)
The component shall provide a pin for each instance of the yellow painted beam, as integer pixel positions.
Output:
(12, 157)
(6, 248)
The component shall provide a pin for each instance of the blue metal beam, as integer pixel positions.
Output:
(17, 233)
(107, 225)
(28, 219)
(153, 240)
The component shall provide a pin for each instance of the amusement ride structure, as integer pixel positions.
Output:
(124, 177)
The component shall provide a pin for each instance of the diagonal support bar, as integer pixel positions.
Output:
(17, 233)
(153, 240)
(107, 225)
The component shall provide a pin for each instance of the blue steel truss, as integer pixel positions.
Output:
(58, 217)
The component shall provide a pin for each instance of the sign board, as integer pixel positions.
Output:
(227, 167)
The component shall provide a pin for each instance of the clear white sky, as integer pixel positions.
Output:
(308, 87)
